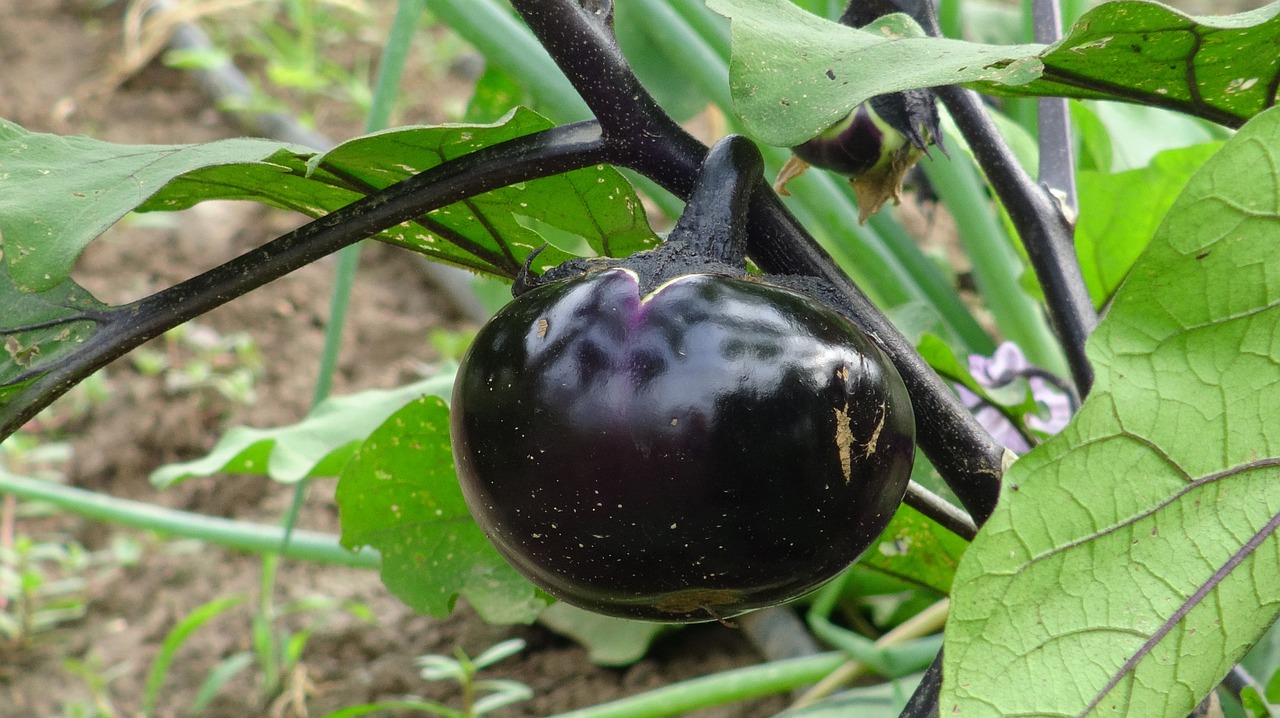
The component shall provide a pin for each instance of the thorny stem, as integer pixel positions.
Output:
(581, 42)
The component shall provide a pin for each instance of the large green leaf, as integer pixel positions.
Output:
(1224, 68)
(319, 445)
(794, 74)
(58, 193)
(1132, 559)
(1119, 213)
(400, 494)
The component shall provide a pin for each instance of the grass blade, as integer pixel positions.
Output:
(174, 641)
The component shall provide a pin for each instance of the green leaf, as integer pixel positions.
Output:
(400, 495)
(793, 74)
(176, 638)
(1223, 68)
(917, 550)
(486, 233)
(1119, 213)
(219, 676)
(1132, 559)
(1136, 134)
(1255, 705)
(319, 445)
(58, 193)
(38, 328)
(609, 641)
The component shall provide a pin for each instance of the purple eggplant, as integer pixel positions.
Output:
(675, 445)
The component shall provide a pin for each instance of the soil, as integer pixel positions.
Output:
(57, 57)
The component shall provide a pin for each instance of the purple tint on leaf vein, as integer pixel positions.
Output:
(1218, 576)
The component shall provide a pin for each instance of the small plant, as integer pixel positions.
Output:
(480, 696)
(196, 357)
(43, 579)
(42, 586)
(277, 652)
(97, 679)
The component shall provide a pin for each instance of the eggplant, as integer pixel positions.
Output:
(671, 438)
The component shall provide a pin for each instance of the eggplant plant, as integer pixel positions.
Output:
(1125, 565)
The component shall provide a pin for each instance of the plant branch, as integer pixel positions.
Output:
(924, 701)
(1057, 161)
(1036, 214)
(125, 327)
(1045, 231)
(941, 511)
(582, 44)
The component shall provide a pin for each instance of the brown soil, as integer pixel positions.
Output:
(53, 54)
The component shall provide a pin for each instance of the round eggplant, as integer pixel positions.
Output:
(711, 446)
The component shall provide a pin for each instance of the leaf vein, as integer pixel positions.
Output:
(1218, 576)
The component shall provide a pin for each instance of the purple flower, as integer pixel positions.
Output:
(1005, 366)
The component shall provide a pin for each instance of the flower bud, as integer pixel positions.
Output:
(874, 146)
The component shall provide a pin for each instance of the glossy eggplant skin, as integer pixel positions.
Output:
(719, 445)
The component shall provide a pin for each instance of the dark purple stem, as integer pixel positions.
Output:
(1045, 231)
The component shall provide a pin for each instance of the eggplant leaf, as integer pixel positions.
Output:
(793, 74)
(917, 550)
(1119, 213)
(1132, 559)
(400, 494)
(319, 445)
(39, 327)
(59, 193)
